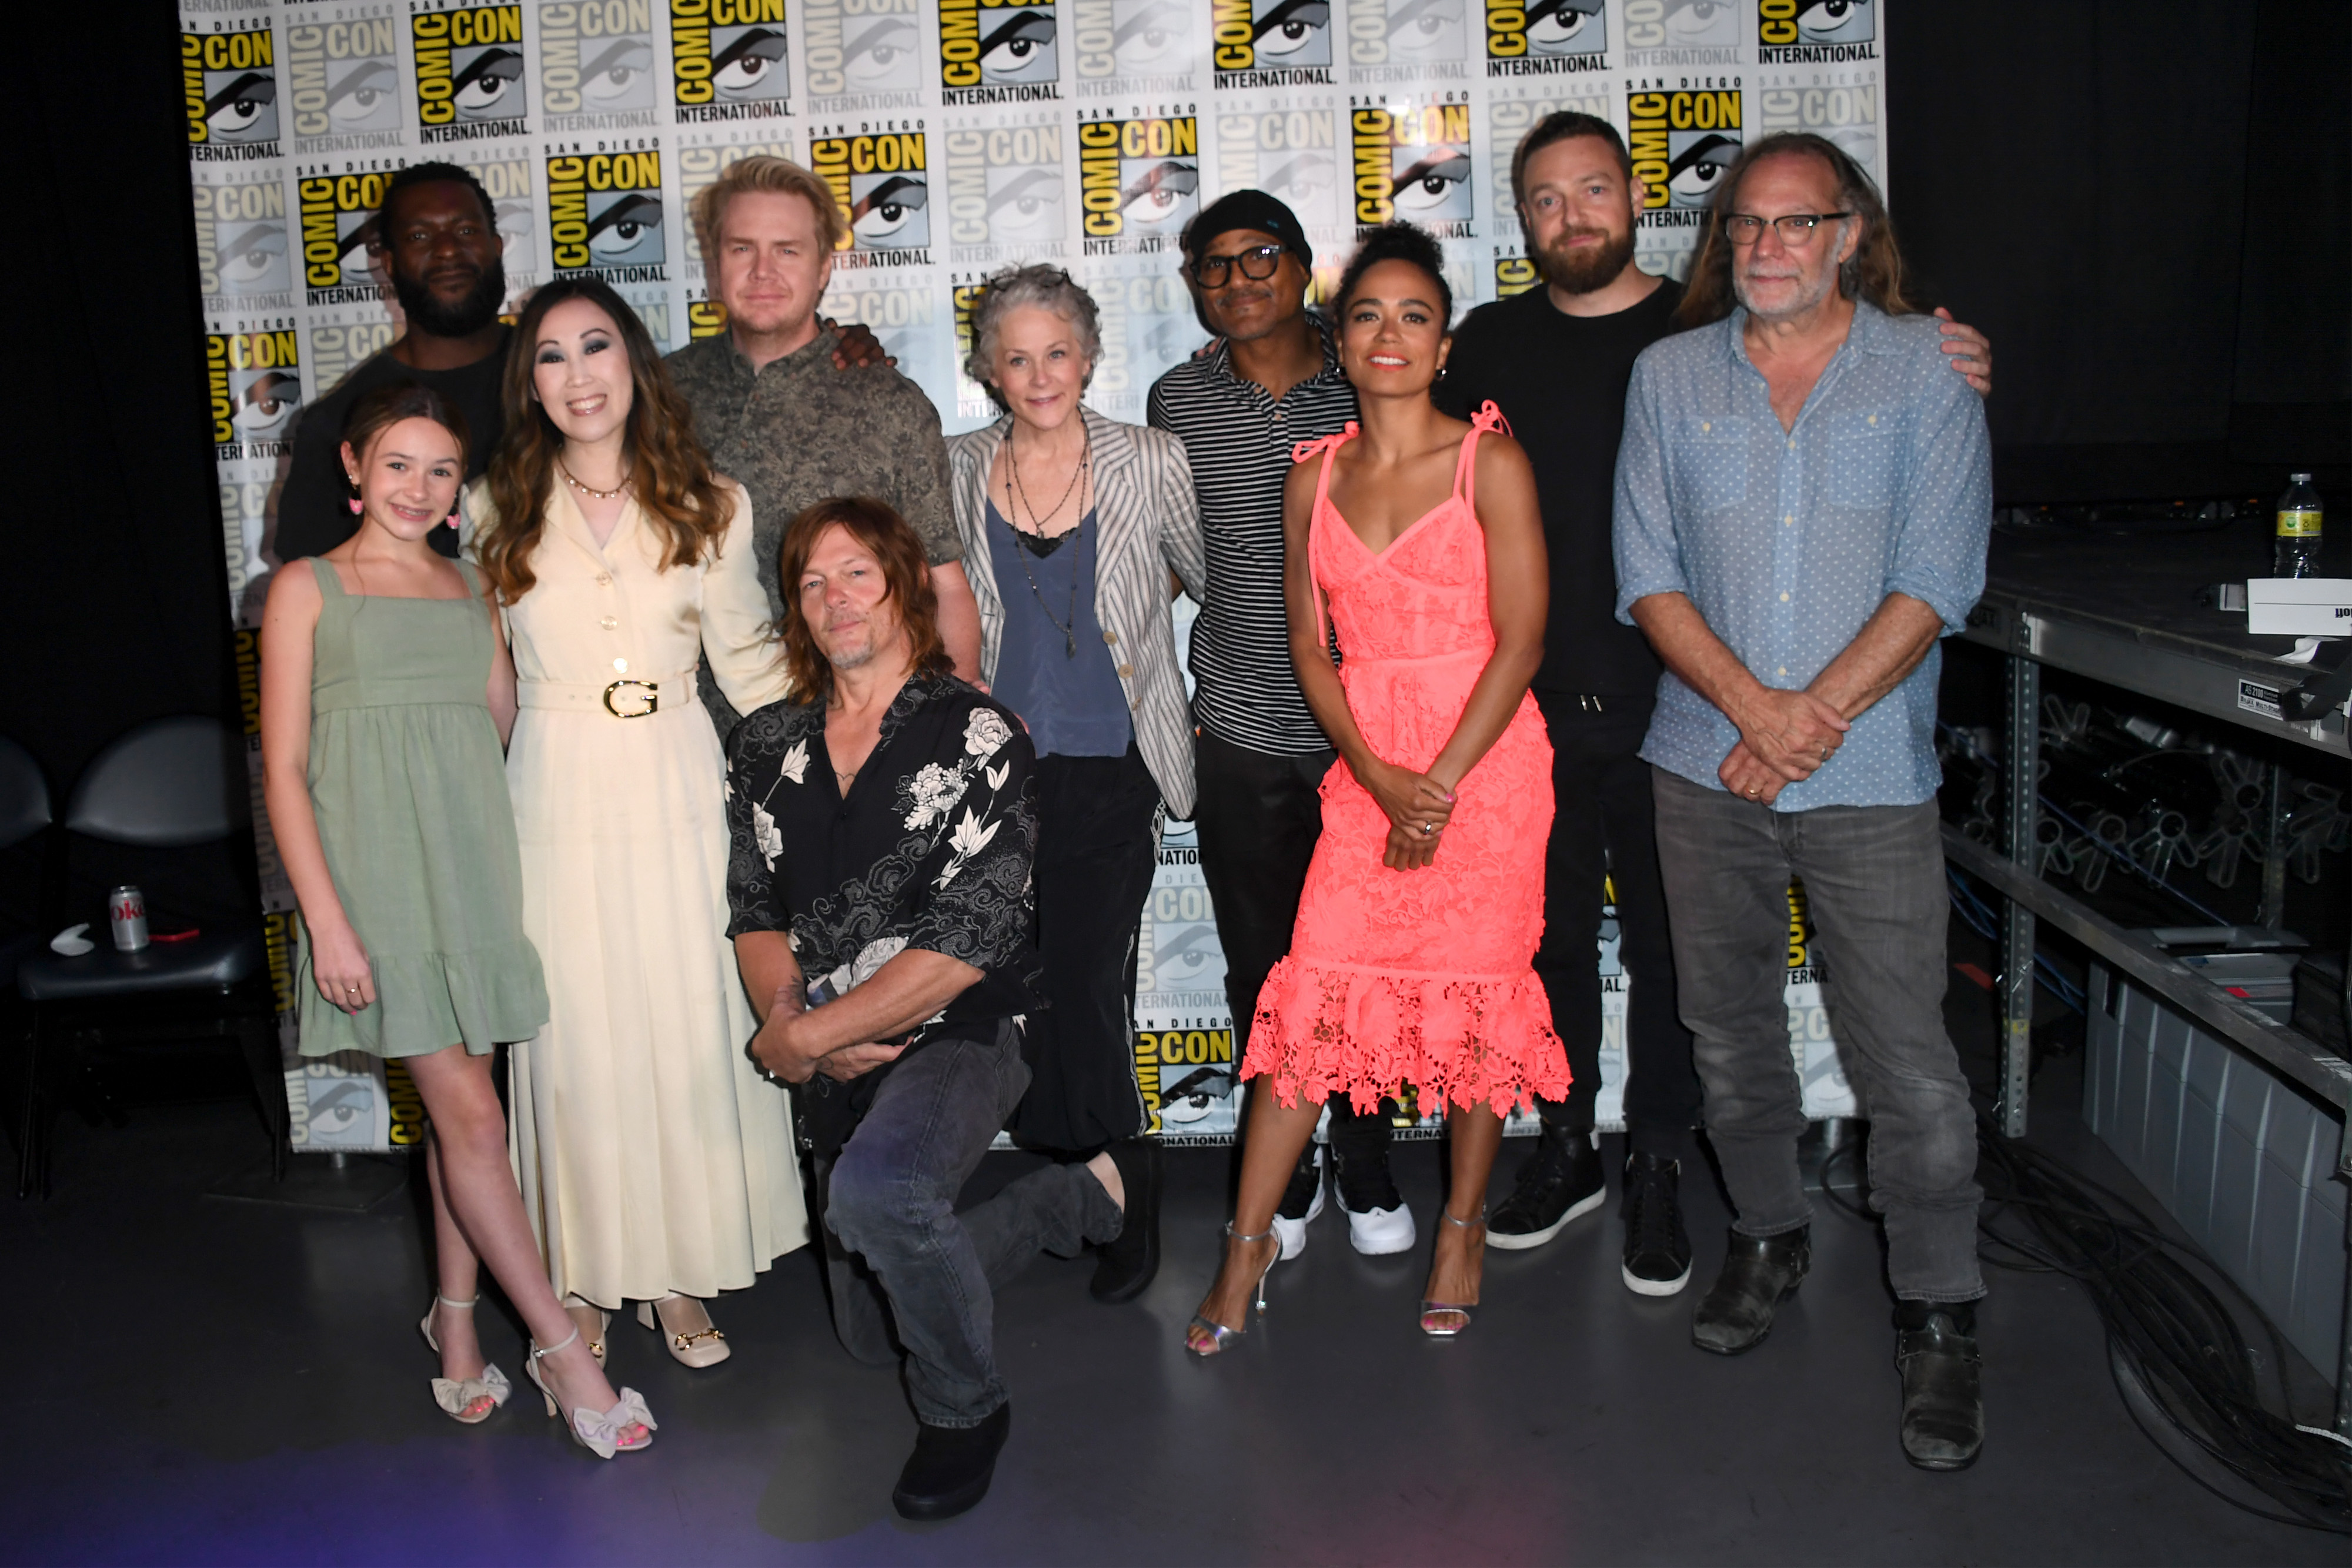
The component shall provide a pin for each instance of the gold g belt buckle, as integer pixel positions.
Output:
(645, 692)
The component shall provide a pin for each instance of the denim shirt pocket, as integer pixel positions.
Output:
(1710, 460)
(1867, 450)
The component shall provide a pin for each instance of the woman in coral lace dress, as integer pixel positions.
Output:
(1411, 959)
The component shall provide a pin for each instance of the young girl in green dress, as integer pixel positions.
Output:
(386, 698)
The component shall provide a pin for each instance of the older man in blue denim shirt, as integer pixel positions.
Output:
(1805, 493)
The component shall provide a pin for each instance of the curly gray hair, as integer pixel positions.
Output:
(1043, 287)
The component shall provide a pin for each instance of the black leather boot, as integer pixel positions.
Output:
(1760, 1273)
(948, 1471)
(1129, 1261)
(1943, 1391)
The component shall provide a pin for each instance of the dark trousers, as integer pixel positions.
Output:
(1874, 886)
(896, 1251)
(1096, 854)
(1603, 825)
(1258, 818)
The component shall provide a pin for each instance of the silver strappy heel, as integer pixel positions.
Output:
(1204, 1338)
(1444, 1320)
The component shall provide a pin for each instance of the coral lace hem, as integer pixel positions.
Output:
(1322, 1027)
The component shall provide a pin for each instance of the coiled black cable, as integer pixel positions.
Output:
(2167, 1330)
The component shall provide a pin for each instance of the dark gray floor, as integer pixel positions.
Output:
(193, 1379)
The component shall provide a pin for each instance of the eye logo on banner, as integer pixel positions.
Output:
(1286, 154)
(865, 54)
(508, 180)
(342, 82)
(604, 216)
(596, 63)
(1681, 33)
(468, 73)
(883, 183)
(998, 51)
(1815, 32)
(1407, 40)
(241, 252)
(256, 379)
(337, 219)
(1005, 193)
(1546, 38)
(229, 83)
(729, 60)
(1133, 45)
(1138, 181)
(1683, 144)
(1271, 43)
(1412, 162)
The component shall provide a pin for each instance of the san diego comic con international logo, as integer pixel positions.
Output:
(1132, 46)
(469, 73)
(605, 216)
(1846, 115)
(1270, 43)
(864, 53)
(698, 167)
(1412, 161)
(1004, 191)
(342, 84)
(729, 59)
(508, 180)
(1683, 144)
(1138, 181)
(337, 223)
(596, 63)
(256, 380)
(241, 251)
(229, 83)
(1681, 33)
(1407, 40)
(1815, 32)
(998, 51)
(1287, 152)
(883, 183)
(1544, 37)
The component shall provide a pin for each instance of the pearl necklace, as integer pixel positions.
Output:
(612, 493)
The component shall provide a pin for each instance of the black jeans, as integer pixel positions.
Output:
(1095, 855)
(893, 1239)
(1258, 818)
(1874, 886)
(1604, 823)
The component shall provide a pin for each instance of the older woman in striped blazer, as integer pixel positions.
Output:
(1076, 530)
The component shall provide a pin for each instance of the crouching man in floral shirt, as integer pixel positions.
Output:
(883, 824)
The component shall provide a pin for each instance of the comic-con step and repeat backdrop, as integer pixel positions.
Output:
(961, 135)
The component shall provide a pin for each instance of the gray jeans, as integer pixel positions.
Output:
(896, 1251)
(1874, 882)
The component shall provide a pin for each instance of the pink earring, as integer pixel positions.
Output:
(453, 519)
(355, 502)
(355, 506)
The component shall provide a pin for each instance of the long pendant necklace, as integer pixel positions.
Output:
(1084, 471)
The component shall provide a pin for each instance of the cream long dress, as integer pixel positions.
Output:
(652, 1156)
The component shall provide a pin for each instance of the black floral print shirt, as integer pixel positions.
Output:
(932, 848)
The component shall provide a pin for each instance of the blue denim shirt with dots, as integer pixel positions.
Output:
(1787, 541)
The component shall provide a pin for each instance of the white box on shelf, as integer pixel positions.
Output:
(2299, 606)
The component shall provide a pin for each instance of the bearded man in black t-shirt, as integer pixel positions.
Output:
(1557, 361)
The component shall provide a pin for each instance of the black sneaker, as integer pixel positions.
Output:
(1561, 1180)
(1379, 1223)
(1657, 1248)
(1302, 1200)
(948, 1471)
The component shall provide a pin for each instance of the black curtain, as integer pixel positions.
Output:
(117, 607)
(2146, 205)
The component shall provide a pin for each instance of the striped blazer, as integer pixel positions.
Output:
(1148, 523)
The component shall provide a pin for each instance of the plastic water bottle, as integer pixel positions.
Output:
(2296, 553)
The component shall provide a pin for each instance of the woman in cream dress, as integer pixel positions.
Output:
(656, 1165)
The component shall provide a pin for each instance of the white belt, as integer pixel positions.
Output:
(621, 699)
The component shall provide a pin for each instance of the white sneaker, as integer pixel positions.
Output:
(1294, 1231)
(1376, 1232)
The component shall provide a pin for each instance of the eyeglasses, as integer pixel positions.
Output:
(1796, 229)
(1257, 264)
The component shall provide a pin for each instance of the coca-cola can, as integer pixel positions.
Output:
(126, 907)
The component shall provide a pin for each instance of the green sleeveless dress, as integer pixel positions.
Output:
(410, 788)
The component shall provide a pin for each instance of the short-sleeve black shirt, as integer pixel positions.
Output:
(932, 849)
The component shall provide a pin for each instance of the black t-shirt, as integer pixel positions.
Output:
(1561, 381)
(314, 512)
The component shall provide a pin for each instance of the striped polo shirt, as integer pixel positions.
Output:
(1239, 440)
